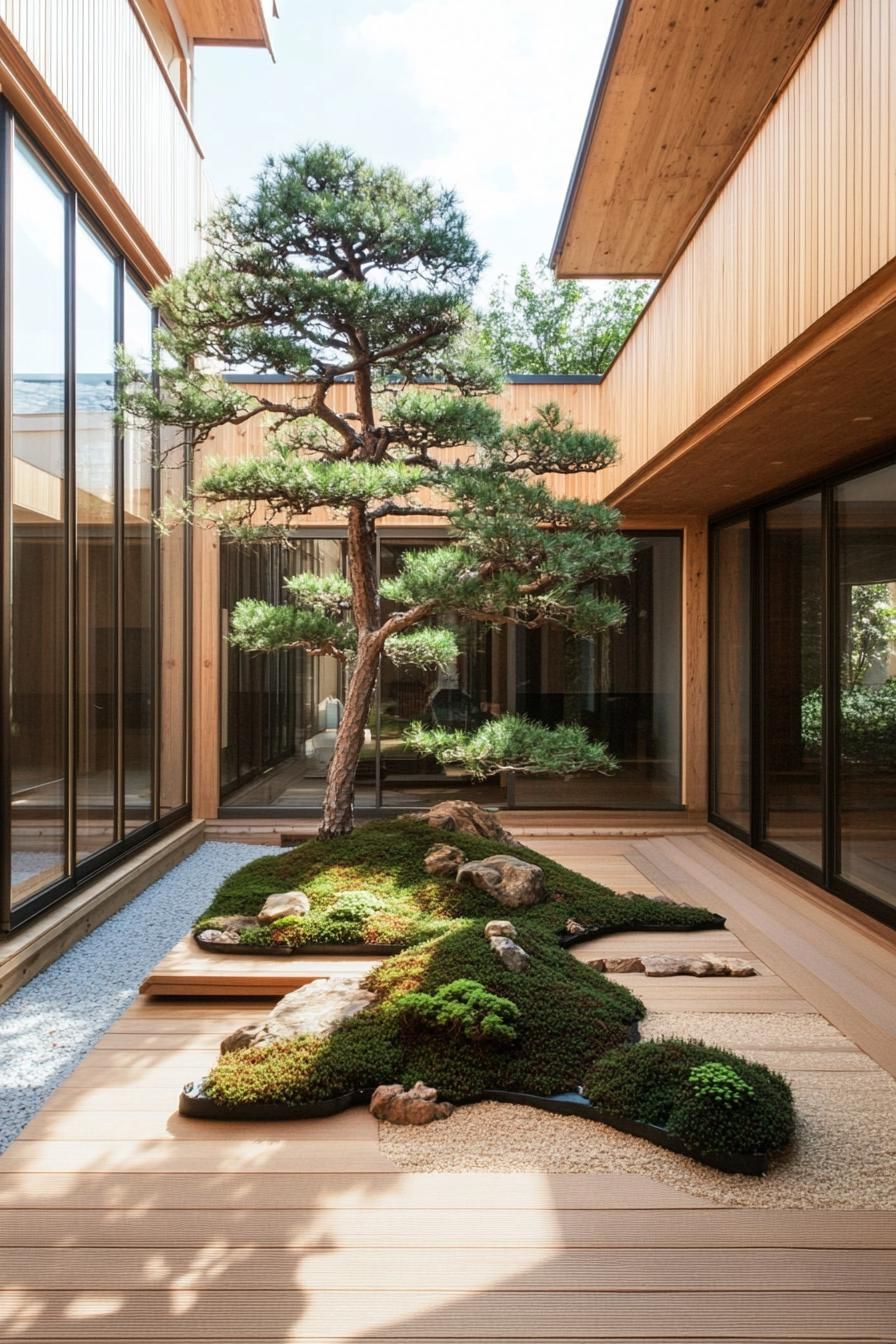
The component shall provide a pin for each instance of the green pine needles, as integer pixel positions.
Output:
(356, 285)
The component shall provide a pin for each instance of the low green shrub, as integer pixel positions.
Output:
(462, 1008)
(715, 1101)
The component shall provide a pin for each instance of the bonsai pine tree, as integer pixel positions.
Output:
(331, 270)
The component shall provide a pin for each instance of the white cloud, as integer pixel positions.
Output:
(504, 89)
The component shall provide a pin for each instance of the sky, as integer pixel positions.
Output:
(486, 96)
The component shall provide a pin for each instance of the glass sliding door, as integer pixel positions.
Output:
(793, 680)
(865, 519)
(95, 512)
(731, 646)
(803, 707)
(39, 598)
(624, 687)
(465, 696)
(137, 580)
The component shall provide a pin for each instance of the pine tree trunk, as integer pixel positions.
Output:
(339, 790)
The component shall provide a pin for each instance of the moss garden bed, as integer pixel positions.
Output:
(446, 1010)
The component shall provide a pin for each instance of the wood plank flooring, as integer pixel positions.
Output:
(122, 1221)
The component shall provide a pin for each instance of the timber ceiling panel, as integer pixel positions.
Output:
(833, 410)
(683, 86)
(226, 22)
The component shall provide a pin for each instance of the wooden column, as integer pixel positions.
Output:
(695, 666)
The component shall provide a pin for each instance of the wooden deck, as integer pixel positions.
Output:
(121, 1221)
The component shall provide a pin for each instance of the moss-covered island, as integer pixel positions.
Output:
(448, 1010)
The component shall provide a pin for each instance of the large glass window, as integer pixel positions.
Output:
(95, 611)
(731, 648)
(792, 679)
(38, 621)
(625, 688)
(866, 681)
(818, 696)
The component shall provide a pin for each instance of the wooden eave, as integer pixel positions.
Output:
(236, 23)
(683, 86)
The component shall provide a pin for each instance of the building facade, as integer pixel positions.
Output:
(101, 188)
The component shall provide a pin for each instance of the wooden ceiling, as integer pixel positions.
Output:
(831, 411)
(239, 23)
(683, 85)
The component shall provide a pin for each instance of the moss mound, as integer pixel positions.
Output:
(447, 1011)
(371, 887)
(714, 1101)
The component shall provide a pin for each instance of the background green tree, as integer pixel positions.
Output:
(333, 269)
(545, 325)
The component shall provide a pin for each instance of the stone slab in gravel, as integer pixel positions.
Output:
(50, 1024)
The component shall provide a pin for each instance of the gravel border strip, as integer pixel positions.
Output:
(50, 1024)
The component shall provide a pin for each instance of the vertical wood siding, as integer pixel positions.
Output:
(95, 58)
(808, 215)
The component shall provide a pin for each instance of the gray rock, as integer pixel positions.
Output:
(234, 922)
(283, 903)
(669, 965)
(419, 1105)
(315, 1009)
(500, 928)
(510, 954)
(617, 965)
(572, 926)
(728, 965)
(219, 936)
(512, 882)
(454, 815)
(443, 860)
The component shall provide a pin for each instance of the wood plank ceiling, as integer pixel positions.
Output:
(683, 85)
(225, 22)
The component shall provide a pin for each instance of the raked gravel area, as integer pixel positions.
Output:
(843, 1157)
(49, 1025)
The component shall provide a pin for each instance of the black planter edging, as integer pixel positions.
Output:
(193, 1102)
(307, 949)
(392, 949)
(600, 930)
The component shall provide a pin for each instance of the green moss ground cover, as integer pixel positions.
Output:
(371, 887)
(447, 1011)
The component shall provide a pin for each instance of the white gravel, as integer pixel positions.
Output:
(843, 1156)
(50, 1024)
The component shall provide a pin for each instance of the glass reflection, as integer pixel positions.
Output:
(793, 678)
(95, 472)
(731, 673)
(137, 584)
(866, 536)
(624, 687)
(39, 605)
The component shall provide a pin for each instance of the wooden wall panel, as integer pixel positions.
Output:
(96, 60)
(806, 218)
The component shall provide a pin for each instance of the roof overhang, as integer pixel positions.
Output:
(228, 23)
(681, 90)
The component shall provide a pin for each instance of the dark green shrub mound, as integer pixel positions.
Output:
(461, 1008)
(715, 1101)
(384, 859)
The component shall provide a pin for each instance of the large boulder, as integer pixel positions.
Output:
(419, 1105)
(283, 903)
(315, 1009)
(510, 881)
(459, 816)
